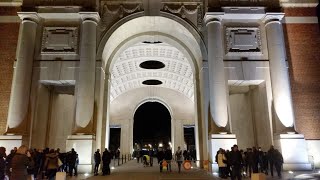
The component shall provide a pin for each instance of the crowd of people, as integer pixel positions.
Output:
(165, 157)
(238, 163)
(23, 162)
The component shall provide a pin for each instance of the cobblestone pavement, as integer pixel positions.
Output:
(135, 171)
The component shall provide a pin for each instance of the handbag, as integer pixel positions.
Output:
(59, 162)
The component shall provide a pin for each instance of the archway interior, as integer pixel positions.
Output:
(152, 126)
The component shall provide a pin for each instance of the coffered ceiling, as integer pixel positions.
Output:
(127, 74)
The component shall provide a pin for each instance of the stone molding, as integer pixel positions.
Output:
(93, 16)
(33, 16)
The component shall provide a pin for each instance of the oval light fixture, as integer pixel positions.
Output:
(152, 42)
(152, 64)
(151, 82)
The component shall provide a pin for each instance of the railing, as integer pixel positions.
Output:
(122, 159)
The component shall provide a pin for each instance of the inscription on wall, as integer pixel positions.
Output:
(242, 41)
(59, 40)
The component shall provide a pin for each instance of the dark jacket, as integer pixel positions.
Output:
(168, 155)
(235, 159)
(2, 167)
(51, 161)
(19, 165)
(106, 157)
(97, 157)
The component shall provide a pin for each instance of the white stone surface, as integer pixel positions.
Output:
(127, 75)
(19, 99)
(279, 74)
(84, 146)
(86, 84)
(314, 152)
(224, 141)
(218, 88)
(294, 151)
(10, 141)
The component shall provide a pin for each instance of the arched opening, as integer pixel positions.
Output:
(152, 126)
(121, 56)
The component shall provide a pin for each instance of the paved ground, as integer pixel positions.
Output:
(134, 171)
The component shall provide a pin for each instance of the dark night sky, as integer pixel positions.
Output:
(151, 121)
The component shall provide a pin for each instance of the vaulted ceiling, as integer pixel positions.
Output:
(127, 74)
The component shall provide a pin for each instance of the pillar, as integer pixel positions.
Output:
(86, 82)
(125, 140)
(279, 73)
(178, 134)
(293, 146)
(20, 92)
(85, 94)
(217, 82)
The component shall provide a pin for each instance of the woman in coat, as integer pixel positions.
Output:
(51, 164)
(19, 164)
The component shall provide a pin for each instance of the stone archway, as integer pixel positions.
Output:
(138, 30)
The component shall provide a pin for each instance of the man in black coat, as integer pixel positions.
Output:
(71, 161)
(271, 153)
(106, 159)
(160, 157)
(168, 158)
(236, 162)
(97, 161)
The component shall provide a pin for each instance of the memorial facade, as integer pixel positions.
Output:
(240, 72)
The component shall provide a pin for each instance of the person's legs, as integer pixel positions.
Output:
(179, 166)
(271, 168)
(278, 169)
(71, 170)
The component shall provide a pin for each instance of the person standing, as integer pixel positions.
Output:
(278, 161)
(168, 158)
(221, 161)
(179, 158)
(2, 162)
(72, 160)
(235, 162)
(51, 164)
(138, 155)
(106, 159)
(20, 161)
(160, 157)
(97, 161)
(271, 153)
(151, 156)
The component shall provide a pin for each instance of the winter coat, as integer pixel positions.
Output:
(2, 167)
(168, 155)
(19, 165)
(51, 161)
(97, 157)
(235, 159)
(221, 158)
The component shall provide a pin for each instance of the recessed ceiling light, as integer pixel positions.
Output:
(151, 82)
(152, 42)
(152, 64)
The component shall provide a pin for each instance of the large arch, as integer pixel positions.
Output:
(131, 30)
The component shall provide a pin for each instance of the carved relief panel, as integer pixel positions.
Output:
(244, 42)
(59, 42)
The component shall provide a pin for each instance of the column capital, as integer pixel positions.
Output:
(269, 17)
(213, 16)
(32, 16)
(93, 16)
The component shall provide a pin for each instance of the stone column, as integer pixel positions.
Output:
(179, 135)
(217, 82)
(279, 73)
(86, 82)
(20, 93)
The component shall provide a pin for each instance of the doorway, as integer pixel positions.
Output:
(152, 126)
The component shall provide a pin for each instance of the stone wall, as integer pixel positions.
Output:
(8, 43)
(303, 52)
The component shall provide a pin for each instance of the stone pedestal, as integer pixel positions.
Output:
(293, 148)
(224, 141)
(10, 141)
(84, 146)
